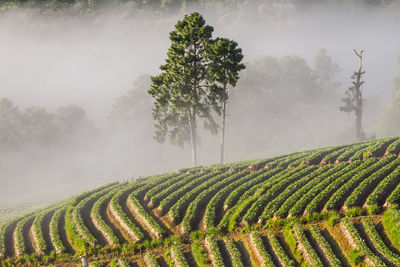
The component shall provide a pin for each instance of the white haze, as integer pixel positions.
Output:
(90, 60)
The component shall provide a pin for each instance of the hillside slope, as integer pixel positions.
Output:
(283, 211)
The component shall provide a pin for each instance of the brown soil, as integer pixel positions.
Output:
(9, 241)
(27, 233)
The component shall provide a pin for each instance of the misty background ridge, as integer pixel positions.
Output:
(75, 112)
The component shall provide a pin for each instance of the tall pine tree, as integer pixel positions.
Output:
(180, 91)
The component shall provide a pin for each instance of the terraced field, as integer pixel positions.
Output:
(336, 206)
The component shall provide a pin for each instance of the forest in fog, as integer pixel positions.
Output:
(75, 111)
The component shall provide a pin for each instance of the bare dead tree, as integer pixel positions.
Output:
(354, 101)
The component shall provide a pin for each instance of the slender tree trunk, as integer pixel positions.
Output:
(360, 135)
(192, 124)
(223, 125)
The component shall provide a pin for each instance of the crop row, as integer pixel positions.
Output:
(234, 253)
(81, 208)
(273, 192)
(212, 206)
(324, 246)
(177, 209)
(376, 197)
(188, 184)
(145, 217)
(280, 253)
(201, 199)
(394, 148)
(394, 197)
(213, 250)
(121, 217)
(19, 240)
(239, 191)
(261, 252)
(368, 183)
(54, 229)
(352, 150)
(380, 246)
(302, 199)
(37, 231)
(178, 257)
(150, 260)
(309, 254)
(233, 215)
(352, 181)
(358, 243)
(98, 219)
(164, 190)
(295, 190)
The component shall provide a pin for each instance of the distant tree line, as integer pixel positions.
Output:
(36, 127)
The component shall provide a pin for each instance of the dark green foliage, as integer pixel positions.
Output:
(356, 256)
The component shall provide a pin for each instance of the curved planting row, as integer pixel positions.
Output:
(154, 227)
(213, 251)
(293, 192)
(378, 243)
(277, 248)
(355, 240)
(324, 246)
(54, 230)
(304, 245)
(178, 256)
(98, 220)
(121, 217)
(366, 185)
(259, 248)
(263, 199)
(308, 201)
(234, 254)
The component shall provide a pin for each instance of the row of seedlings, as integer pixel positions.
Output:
(151, 224)
(394, 197)
(337, 197)
(304, 245)
(74, 238)
(234, 253)
(259, 248)
(356, 242)
(213, 251)
(280, 253)
(217, 201)
(202, 198)
(324, 246)
(300, 186)
(178, 256)
(379, 148)
(5, 229)
(121, 217)
(297, 203)
(98, 220)
(234, 214)
(188, 185)
(394, 148)
(54, 229)
(79, 210)
(317, 198)
(150, 260)
(164, 189)
(20, 234)
(366, 185)
(270, 194)
(380, 246)
(38, 239)
(177, 210)
(377, 197)
(353, 149)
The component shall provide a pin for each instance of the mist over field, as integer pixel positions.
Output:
(285, 101)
